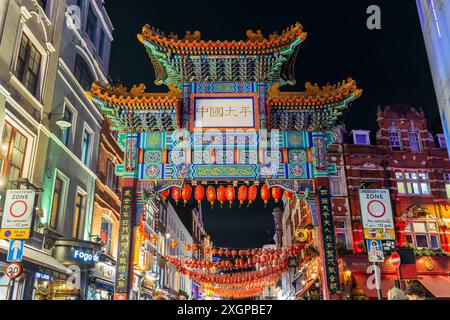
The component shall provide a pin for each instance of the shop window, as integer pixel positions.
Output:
(105, 234)
(13, 153)
(28, 65)
(395, 138)
(79, 214)
(411, 182)
(423, 234)
(56, 203)
(414, 140)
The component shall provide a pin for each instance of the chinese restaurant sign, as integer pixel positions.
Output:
(125, 232)
(224, 113)
(329, 244)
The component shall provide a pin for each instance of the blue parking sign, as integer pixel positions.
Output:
(15, 251)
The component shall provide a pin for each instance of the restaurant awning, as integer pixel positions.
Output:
(439, 286)
(387, 282)
(38, 257)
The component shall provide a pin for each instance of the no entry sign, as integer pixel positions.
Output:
(17, 214)
(376, 210)
(395, 260)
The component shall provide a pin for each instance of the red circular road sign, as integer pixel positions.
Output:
(13, 270)
(395, 260)
(18, 208)
(376, 208)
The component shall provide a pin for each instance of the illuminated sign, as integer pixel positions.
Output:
(80, 255)
(224, 112)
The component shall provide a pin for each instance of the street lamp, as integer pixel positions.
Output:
(63, 122)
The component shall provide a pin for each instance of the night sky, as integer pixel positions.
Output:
(391, 64)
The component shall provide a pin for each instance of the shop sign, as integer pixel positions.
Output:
(18, 214)
(375, 251)
(376, 210)
(125, 233)
(105, 271)
(85, 256)
(329, 244)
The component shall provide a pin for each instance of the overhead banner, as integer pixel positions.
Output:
(18, 214)
(376, 209)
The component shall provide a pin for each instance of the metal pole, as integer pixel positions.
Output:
(378, 281)
(11, 289)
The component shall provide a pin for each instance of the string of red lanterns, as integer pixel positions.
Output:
(223, 194)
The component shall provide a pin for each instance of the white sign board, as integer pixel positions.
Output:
(17, 214)
(376, 209)
(224, 113)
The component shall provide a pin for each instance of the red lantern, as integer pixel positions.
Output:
(207, 250)
(231, 195)
(242, 195)
(173, 244)
(188, 247)
(214, 251)
(154, 239)
(165, 194)
(176, 194)
(199, 194)
(265, 194)
(211, 195)
(276, 194)
(221, 195)
(289, 195)
(186, 194)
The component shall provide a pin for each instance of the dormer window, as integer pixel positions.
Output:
(395, 138)
(361, 137)
(441, 140)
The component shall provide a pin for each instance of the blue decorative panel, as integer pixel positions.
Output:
(212, 140)
(295, 140)
(201, 157)
(220, 172)
(177, 157)
(152, 141)
(151, 172)
(248, 156)
(297, 171)
(225, 156)
(272, 157)
(273, 172)
(224, 87)
(153, 157)
(298, 156)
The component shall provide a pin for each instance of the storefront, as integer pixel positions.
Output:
(432, 273)
(307, 282)
(102, 279)
(43, 277)
(80, 255)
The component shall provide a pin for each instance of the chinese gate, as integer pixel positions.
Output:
(224, 119)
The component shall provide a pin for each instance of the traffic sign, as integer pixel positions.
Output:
(17, 214)
(13, 270)
(376, 209)
(396, 260)
(15, 251)
(375, 251)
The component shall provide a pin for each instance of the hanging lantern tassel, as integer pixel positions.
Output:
(176, 195)
(289, 195)
(186, 194)
(211, 195)
(276, 194)
(231, 195)
(265, 195)
(242, 195)
(252, 195)
(199, 194)
(221, 195)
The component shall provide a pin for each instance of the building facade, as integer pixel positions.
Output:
(413, 164)
(435, 20)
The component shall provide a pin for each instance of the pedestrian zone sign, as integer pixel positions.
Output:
(18, 214)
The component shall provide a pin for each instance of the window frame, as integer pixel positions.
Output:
(404, 179)
(72, 130)
(398, 135)
(361, 133)
(22, 69)
(81, 214)
(418, 139)
(62, 202)
(412, 233)
(87, 129)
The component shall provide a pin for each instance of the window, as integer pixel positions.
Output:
(414, 140)
(105, 234)
(361, 137)
(65, 133)
(42, 4)
(82, 73)
(442, 141)
(91, 25)
(340, 227)
(423, 234)
(413, 183)
(395, 138)
(28, 65)
(101, 45)
(335, 186)
(13, 151)
(79, 213)
(111, 178)
(56, 204)
(86, 148)
(447, 184)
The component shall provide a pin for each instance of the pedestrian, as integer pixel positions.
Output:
(396, 294)
(415, 291)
